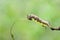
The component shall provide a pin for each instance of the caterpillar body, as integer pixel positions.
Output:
(32, 16)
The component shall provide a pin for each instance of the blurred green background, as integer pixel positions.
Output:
(17, 10)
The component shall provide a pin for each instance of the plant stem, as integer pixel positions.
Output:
(11, 34)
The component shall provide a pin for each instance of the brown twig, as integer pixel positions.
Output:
(32, 16)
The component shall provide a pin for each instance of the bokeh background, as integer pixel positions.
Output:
(17, 10)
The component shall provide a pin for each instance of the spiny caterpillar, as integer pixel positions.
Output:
(30, 17)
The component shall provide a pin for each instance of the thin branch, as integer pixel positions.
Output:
(32, 16)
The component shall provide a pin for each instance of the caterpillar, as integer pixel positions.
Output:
(32, 16)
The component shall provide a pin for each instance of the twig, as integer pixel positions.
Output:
(32, 16)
